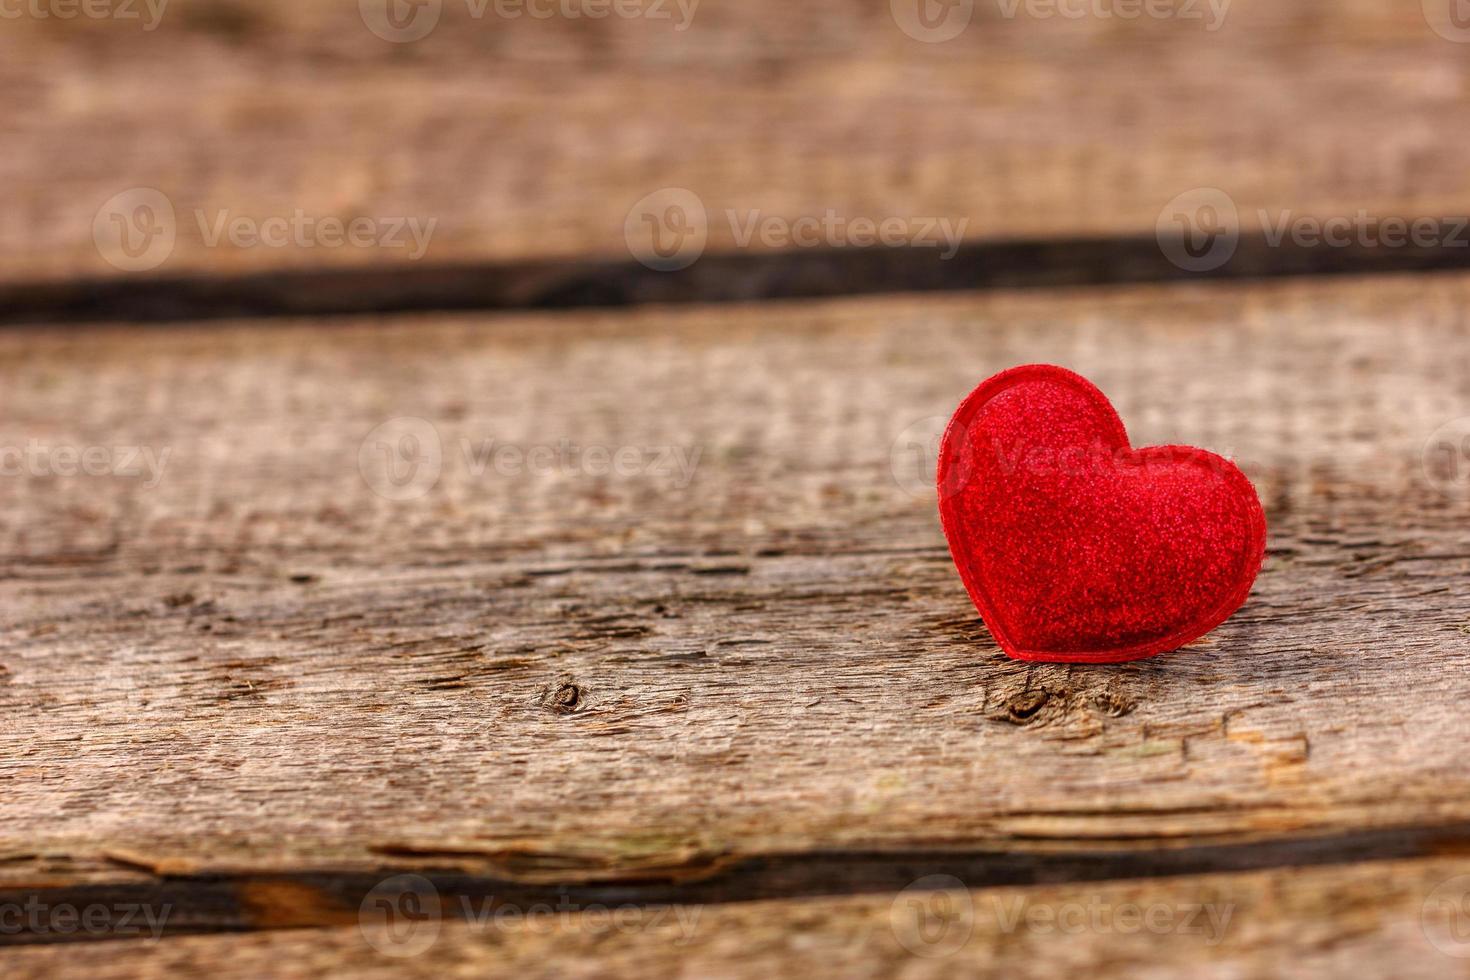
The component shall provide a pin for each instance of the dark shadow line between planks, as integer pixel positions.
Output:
(715, 278)
(248, 903)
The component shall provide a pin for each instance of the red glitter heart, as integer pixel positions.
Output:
(1077, 548)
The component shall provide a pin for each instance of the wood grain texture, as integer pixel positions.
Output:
(528, 138)
(261, 666)
(1371, 920)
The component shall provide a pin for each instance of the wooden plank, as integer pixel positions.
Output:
(1391, 919)
(535, 139)
(538, 671)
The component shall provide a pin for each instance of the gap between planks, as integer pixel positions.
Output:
(737, 277)
(252, 902)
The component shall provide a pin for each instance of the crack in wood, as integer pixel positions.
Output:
(736, 277)
(222, 902)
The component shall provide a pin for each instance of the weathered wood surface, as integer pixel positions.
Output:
(529, 138)
(260, 666)
(1388, 919)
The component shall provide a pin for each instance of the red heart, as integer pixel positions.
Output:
(1077, 548)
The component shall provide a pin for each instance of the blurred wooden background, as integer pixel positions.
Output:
(530, 138)
(257, 677)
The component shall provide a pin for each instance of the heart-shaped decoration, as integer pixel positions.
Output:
(1077, 548)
